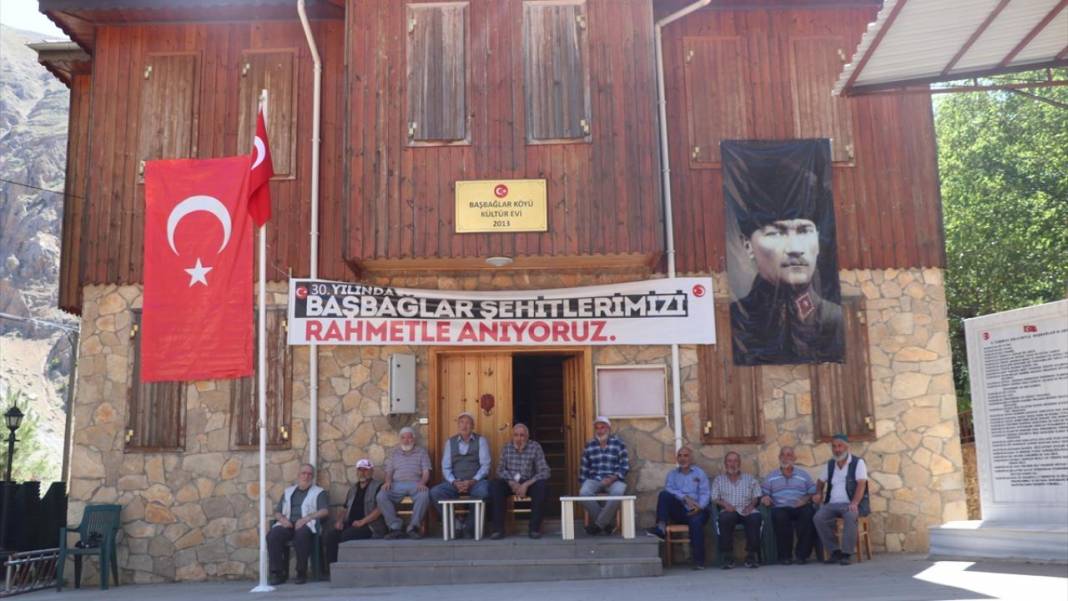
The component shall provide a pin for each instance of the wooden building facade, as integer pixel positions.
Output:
(420, 95)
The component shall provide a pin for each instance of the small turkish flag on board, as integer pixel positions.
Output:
(196, 323)
(259, 201)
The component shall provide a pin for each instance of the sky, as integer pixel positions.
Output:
(23, 14)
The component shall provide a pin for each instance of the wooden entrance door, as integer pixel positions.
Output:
(463, 378)
(577, 419)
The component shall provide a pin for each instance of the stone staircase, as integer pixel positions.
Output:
(513, 559)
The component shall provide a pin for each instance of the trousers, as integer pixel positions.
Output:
(537, 492)
(787, 521)
(825, 526)
(278, 537)
(670, 510)
(387, 500)
(602, 512)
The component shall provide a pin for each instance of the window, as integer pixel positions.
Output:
(244, 429)
(733, 411)
(817, 61)
(842, 399)
(437, 73)
(276, 72)
(555, 71)
(169, 107)
(716, 84)
(155, 415)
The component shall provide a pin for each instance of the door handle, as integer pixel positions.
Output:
(504, 427)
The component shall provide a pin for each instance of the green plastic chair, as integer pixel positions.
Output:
(96, 536)
(767, 553)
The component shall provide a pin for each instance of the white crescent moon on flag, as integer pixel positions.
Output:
(261, 152)
(193, 204)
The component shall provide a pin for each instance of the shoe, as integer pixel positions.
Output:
(302, 577)
(534, 534)
(655, 531)
(593, 529)
(697, 567)
(728, 564)
(276, 579)
(393, 535)
(608, 530)
(751, 562)
(844, 560)
(414, 534)
(496, 536)
(835, 557)
(786, 562)
(801, 561)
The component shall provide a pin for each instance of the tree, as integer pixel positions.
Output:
(1003, 161)
(32, 460)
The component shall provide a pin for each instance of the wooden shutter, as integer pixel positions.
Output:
(169, 107)
(275, 71)
(155, 413)
(437, 73)
(817, 61)
(733, 410)
(716, 87)
(555, 71)
(244, 431)
(842, 399)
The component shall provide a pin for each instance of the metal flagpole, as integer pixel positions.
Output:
(261, 388)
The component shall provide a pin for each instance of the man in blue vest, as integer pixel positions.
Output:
(843, 492)
(297, 518)
(465, 464)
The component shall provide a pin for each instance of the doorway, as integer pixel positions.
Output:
(550, 390)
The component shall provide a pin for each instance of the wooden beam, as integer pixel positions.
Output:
(1034, 32)
(639, 263)
(898, 86)
(1063, 54)
(875, 44)
(975, 36)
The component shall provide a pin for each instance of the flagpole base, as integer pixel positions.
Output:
(262, 588)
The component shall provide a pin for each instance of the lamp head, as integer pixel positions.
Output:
(13, 416)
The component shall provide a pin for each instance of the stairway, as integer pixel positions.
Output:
(512, 559)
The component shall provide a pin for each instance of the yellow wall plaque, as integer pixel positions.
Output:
(501, 205)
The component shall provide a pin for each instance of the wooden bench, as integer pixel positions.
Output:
(567, 513)
(675, 534)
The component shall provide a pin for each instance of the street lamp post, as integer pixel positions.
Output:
(13, 417)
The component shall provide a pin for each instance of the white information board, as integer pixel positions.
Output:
(632, 391)
(1018, 362)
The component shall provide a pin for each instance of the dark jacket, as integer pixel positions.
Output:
(378, 527)
(779, 325)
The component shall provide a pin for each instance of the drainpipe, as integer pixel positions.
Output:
(665, 173)
(313, 355)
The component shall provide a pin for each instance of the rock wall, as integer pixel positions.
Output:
(192, 515)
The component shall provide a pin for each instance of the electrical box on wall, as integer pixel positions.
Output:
(401, 384)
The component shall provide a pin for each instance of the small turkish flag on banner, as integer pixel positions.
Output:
(197, 317)
(259, 201)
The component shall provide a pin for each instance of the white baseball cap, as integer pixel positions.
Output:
(465, 414)
(365, 464)
(603, 420)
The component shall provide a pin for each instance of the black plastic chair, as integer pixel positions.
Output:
(96, 536)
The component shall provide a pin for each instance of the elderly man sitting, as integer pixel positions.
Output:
(737, 495)
(843, 492)
(604, 467)
(297, 517)
(684, 500)
(407, 473)
(465, 463)
(521, 471)
(362, 518)
(788, 491)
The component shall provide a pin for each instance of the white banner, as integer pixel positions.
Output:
(667, 311)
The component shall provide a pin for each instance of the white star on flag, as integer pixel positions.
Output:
(197, 274)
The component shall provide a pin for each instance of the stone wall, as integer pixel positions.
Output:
(193, 515)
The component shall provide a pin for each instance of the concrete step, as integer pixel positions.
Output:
(513, 548)
(415, 573)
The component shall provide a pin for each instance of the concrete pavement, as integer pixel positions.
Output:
(887, 578)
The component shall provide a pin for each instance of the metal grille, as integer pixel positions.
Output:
(30, 570)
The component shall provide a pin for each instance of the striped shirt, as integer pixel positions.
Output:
(785, 492)
(407, 466)
(599, 463)
(742, 493)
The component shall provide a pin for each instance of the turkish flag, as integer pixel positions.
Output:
(259, 201)
(196, 323)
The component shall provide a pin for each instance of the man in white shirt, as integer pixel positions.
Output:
(843, 492)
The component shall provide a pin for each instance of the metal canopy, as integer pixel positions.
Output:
(913, 42)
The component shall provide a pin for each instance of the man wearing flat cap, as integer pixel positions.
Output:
(604, 468)
(843, 493)
(465, 465)
(779, 193)
(361, 518)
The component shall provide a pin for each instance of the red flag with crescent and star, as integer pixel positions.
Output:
(196, 320)
(259, 200)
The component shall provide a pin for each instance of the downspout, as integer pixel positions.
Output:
(669, 221)
(313, 273)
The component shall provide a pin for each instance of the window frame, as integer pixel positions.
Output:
(133, 441)
(582, 25)
(411, 21)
